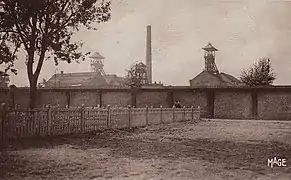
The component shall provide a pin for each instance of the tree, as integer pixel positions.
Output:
(260, 74)
(136, 75)
(43, 30)
(4, 80)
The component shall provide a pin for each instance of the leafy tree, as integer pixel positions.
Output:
(261, 74)
(43, 29)
(136, 75)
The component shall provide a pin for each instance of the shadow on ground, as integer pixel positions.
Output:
(232, 155)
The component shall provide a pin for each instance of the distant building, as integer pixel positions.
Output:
(137, 77)
(94, 79)
(84, 79)
(210, 76)
(142, 73)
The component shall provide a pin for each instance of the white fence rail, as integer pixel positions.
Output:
(19, 123)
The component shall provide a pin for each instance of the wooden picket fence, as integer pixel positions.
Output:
(17, 123)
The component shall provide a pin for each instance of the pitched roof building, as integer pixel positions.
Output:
(95, 79)
(210, 76)
(84, 79)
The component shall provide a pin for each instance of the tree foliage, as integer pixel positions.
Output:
(43, 29)
(136, 75)
(261, 74)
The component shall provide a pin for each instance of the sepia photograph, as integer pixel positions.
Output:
(145, 89)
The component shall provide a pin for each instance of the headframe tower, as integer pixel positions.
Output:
(97, 63)
(209, 56)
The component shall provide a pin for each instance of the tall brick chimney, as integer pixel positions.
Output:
(149, 55)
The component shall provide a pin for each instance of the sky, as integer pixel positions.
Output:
(242, 30)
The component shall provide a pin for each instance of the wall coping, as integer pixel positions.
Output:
(165, 88)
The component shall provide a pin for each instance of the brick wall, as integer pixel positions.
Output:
(21, 98)
(155, 99)
(235, 103)
(52, 98)
(121, 99)
(274, 105)
(91, 99)
(4, 96)
(189, 99)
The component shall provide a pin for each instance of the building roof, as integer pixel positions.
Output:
(141, 64)
(96, 55)
(113, 79)
(84, 79)
(209, 47)
(229, 78)
(208, 79)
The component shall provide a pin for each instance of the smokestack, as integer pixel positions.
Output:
(149, 55)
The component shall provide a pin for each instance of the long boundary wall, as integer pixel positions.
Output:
(231, 103)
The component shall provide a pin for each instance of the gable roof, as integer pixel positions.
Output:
(208, 79)
(229, 78)
(141, 64)
(209, 47)
(84, 79)
(96, 55)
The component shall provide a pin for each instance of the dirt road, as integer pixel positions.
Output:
(192, 150)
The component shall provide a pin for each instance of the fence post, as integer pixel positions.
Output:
(199, 110)
(192, 112)
(129, 116)
(108, 116)
(174, 113)
(1, 127)
(184, 113)
(147, 115)
(82, 118)
(3, 120)
(161, 109)
(49, 119)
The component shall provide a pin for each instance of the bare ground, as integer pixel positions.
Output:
(217, 149)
